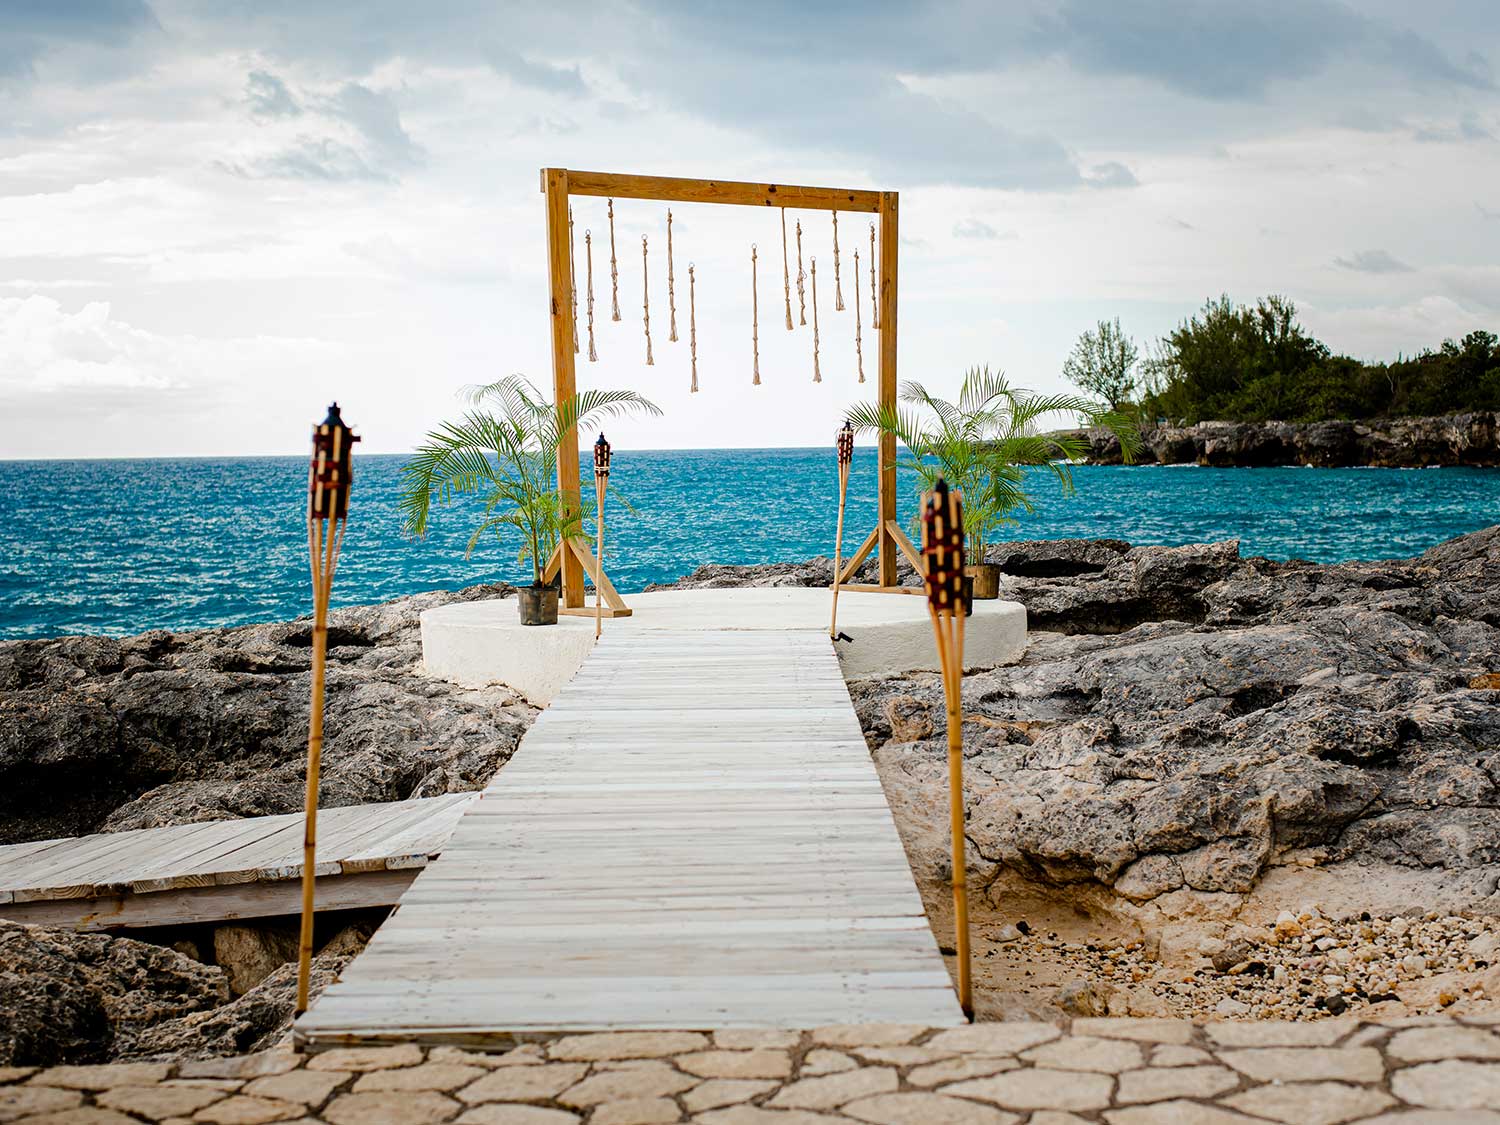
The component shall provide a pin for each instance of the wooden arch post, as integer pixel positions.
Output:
(559, 184)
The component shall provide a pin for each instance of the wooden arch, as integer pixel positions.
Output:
(558, 184)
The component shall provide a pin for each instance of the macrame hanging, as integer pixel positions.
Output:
(874, 301)
(754, 315)
(859, 347)
(817, 371)
(588, 248)
(646, 303)
(671, 285)
(838, 286)
(786, 275)
(693, 325)
(614, 267)
(573, 277)
(801, 277)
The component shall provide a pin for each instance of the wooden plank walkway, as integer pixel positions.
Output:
(367, 855)
(692, 835)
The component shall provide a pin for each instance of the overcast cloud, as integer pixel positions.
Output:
(215, 216)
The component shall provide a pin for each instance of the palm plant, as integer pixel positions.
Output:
(984, 442)
(505, 449)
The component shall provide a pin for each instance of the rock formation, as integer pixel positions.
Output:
(1451, 439)
(104, 733)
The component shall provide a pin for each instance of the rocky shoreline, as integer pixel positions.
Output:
(1199, 755)
(1396, 443)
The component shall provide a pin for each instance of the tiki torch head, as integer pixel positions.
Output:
(943, 548)
(331, 473)
(844, 443)
(601, 458)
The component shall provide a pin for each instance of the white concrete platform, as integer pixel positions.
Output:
(480, 643)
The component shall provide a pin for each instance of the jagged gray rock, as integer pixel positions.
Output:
(256, 1021)
(103, 733)
(251, 953)
(76, 998)
(1449, 439)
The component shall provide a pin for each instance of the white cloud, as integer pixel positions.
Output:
(88, 366)
(384, 244)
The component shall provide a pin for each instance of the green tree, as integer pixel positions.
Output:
(1103, 364)
(505, 449)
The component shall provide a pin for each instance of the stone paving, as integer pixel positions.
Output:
(1421, 1071)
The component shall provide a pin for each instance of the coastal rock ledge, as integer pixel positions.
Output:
(1395, 443)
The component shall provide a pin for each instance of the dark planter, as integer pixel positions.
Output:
(986, 579)
(538, 604)
(968, 596)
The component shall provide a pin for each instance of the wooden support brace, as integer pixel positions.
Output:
(913, 556)
(579, 549)
(857, 559)
(615, 605)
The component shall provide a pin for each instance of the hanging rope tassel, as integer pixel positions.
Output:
(859, 347)
(646, 303)
(671, 286)
(614, 268)
(838, 286)
(693, 325)
(817, 371)
(874, 299)
(573, 277)
(801, 277)
(754, 315)
(588, 247)
(786, 274)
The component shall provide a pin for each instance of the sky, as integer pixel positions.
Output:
(215, 217)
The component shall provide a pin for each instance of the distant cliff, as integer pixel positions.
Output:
(1451, 439)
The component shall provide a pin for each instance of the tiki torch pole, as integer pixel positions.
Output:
(328, 482)
(844, 443)
(943, 554)
(601, 485)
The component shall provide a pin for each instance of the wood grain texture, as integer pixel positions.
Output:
(673, 189)
(147, 862)
(691, 836)
(890, 242)
(564, 377)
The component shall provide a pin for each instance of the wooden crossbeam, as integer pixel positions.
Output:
(673, 189)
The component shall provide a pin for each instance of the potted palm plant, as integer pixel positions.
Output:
(983, 443)
(504, 449)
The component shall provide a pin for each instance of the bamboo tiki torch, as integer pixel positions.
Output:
(844, 443)
(601, 485)
(328, 481)
(943, 554)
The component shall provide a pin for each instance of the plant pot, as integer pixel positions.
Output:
(986, 579)
(538, 604)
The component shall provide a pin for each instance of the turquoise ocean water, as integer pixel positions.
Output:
(124, 546)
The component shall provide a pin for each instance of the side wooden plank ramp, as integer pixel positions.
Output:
(692, 835)
(367, 856)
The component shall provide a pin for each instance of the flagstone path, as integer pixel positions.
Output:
(1419, 1071)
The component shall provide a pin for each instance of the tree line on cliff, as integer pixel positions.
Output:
(1257, 363)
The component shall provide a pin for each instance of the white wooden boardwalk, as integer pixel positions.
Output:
(220, 869)
(691, 836)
